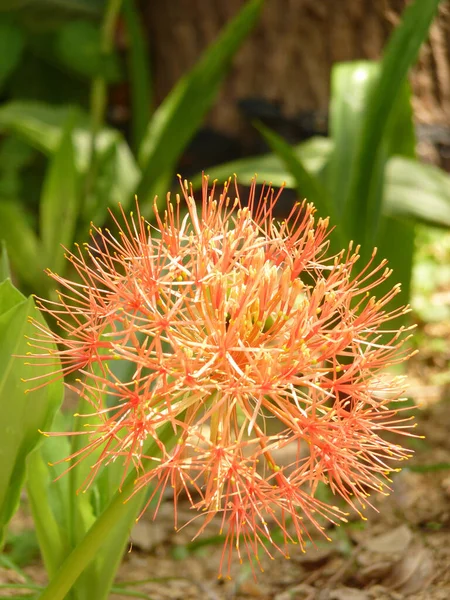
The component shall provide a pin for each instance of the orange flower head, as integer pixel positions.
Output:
(266, 360)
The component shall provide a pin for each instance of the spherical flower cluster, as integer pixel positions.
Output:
(236, 332)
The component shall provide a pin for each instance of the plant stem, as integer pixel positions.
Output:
(89, 546)
(99, 88)
(98, 91)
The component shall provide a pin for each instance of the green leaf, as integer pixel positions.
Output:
(9, 296)
(23, 415)
(15, 155)
(350, 84)
(42, 125)
(100, 532)
(395, 237)
(270, 168)
(61, 514)
(175, 121)
(78, 47)
(24, 247)
(401, 52)
(112, 552)
(140, 73)
(308, 185)
(49, 502)
(12, 43)
(59, 203)
(64, 516)
(417, 191)
(5, 271)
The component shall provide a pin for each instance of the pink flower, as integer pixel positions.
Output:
(241, 335)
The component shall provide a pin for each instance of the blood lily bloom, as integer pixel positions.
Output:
(237, 333)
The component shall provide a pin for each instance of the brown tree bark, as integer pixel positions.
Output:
(288, 58)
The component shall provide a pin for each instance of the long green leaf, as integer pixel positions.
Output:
(49, 501)
(100, 532)
(308, 186)
(64, 516)
(59, 203)
(400, 54)
(175, 121)
(24, 247)
(140, 73)
(12, 43)
(22, 414)
(350, 84)
(41, 125)
(5, 271)
(394, 237)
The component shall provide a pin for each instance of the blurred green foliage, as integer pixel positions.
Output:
(63, 165)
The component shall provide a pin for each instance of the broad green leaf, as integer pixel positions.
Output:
(395, 242)
(140, 72)
(401, 52)
(78, 46)
(5, 271)
(9, 296)
(350, 84)
(400, 135)
(23, 415)
(417, 191)
(59, 204)
(270, 168)
(12, 43)
(42, 125)
(399, 139)
(177, 118)
(24, 248)
(351, 87)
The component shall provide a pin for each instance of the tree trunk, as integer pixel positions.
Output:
(287, 60)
